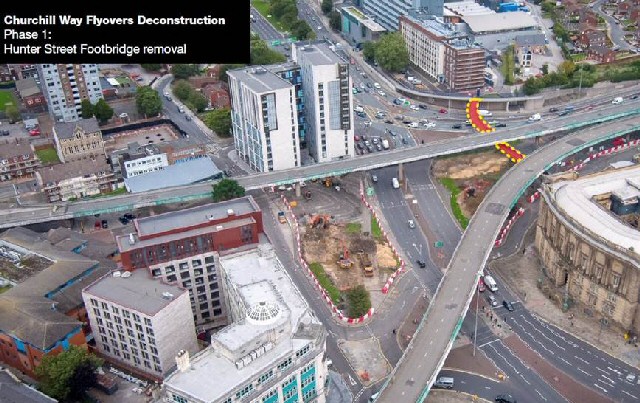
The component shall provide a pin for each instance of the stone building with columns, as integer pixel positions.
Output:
(588, 241)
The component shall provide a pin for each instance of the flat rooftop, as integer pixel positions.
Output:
(498, 22)
(259, 79)
(317, 53)
(184, 173)
(136, 290)
(466, 8)
(575, 199)
(267, 293)
(190, 217)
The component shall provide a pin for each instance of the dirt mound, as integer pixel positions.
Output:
(470, 166)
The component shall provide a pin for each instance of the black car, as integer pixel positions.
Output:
(505, 399)
(421, 263)
(388, 121)
(551, 110)
(129, 216)
(405, 141)
(564, 113)
(123, 220)
(500, 124)
(457, 126)
(105, 225)
(5, 132)
(360, 146)
(508, 305)
(422, 106)
(634, 96)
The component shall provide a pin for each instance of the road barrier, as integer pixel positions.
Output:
(508, 226)
(341, 316)
(609, 151)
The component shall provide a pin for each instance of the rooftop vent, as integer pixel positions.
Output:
(230, 212)
(183, 361)
(263, 312)
(167, 295)
(132, 239)
(126, 274)
(117, 274)
(211, 217)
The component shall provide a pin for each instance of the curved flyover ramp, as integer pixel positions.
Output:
(415, 373)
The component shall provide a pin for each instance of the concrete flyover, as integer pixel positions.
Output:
(61, 211)
(419, 366)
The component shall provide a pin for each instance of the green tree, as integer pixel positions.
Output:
(151, 67)
(369, 51)
(262, 54)
(326, 6)
(302, 31)
(148, 101)
(182, 90)
(198, 101)
(87, 109)
(335, 20)
(219, 121)
(68, 375)
(184, 71)
(530, 86)
(103, 111)
(222, 73)
(391, 52)
(227, 189)
(12, 113)
(359, 301)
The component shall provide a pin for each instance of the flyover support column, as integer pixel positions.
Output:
(400, 172)
(298, 189)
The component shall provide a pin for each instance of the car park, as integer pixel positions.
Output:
(508, 305)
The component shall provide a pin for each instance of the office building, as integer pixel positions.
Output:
(183, 247)
(442, 52)
(66, 85)
(387, 12)
(273, 352)
(291, 72)
(264, 119)
(78, 140)
(588, 241)
(359, 28)
(328, 101)
(139, 322)
(138, 160)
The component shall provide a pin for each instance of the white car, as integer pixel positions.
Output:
(414, 107)
(413, 124)
(493, 301)
(412, 224)
(429, 125)
(381, 93)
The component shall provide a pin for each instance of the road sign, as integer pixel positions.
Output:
(369, 191)
(438, 244)
(275, 43)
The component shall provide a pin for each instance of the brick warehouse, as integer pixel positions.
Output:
(183, 247)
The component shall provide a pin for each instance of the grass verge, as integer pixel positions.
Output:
(354, 228)
(48, 156)
(6, 97)
(451, 186)
(263, 8)
(5, 288)
(376, 231)
(325, 282)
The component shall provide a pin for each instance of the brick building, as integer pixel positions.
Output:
(31, 95)
(601, 54)
(590, 38)
(78, 140)
(217, 94)
(17, 160)
(43, 313)
(183, 247)
(77, 179)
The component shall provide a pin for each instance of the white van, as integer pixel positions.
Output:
(484, 113)
(490, 283)
(444, 382)
(376, 86)
(395, 183)
(535, 117)
(617, 100)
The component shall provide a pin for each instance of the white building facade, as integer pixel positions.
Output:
(146, 164)
(328, 100)
(140, 322)
(272, 353)
(66, 85)
(264, 119)
(387, 12)
(425, 45)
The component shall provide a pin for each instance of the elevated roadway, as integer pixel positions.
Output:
(60, 211)
(418, 368)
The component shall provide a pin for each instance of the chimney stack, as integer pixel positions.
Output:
(183, 361)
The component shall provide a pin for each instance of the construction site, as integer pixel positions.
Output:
(336, 233)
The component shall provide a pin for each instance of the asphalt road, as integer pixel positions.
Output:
(437, 332)
(614, 31)
(263, 28)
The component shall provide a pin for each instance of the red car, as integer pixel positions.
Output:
(356, 138)
(481, 286)
(442, 110)
(34, 132)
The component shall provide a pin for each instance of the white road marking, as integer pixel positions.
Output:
(606, 383)
(629, 394)
(615, 371)
(601, 370)
(582, 359)
(487, 343)
(541, 396)
(600, 387)
(584, 372)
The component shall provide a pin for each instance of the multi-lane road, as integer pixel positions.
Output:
(425, 356)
